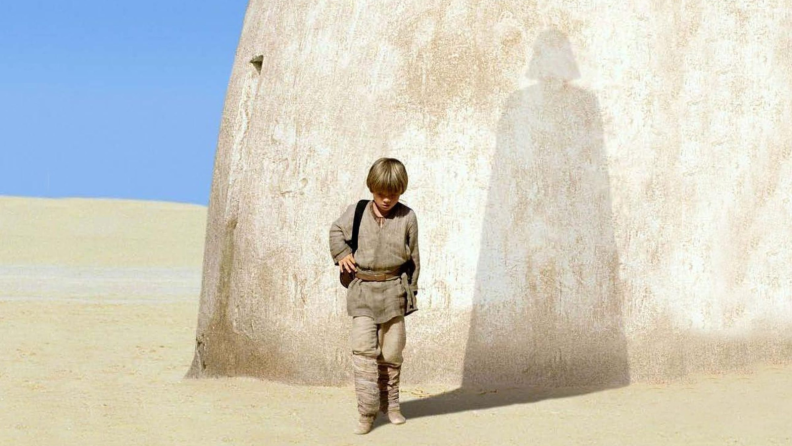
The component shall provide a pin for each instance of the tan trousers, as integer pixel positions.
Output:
(384, 342)
(377, 358)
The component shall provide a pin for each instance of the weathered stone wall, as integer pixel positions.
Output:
(603, 190)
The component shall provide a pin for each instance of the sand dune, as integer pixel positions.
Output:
(100, 232)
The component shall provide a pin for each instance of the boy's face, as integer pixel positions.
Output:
(385, 202)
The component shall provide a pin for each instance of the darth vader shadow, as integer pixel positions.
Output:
(546, 318)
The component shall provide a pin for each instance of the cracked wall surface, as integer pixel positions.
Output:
(602, 189)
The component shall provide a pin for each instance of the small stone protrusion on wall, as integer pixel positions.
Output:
(257, 62)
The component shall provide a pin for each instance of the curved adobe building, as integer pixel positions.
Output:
(603, 191)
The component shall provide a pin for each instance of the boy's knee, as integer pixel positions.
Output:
(366, 350)
(364, 337)
(393, 341)
(393, 357)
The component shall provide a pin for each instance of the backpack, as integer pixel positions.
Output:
(347, 278)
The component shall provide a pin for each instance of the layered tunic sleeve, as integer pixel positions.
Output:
(412, 247)
(340, 232)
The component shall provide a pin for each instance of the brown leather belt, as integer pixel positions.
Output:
(378, 277)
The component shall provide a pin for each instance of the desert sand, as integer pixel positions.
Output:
(98, 310)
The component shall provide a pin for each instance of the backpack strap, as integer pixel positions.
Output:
(361, 207)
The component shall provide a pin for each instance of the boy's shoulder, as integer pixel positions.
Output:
(406, 211)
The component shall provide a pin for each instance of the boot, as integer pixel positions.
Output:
(365, 423)
(367, 392)
(388, 383)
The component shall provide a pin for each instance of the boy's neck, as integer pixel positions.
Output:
(377, 210)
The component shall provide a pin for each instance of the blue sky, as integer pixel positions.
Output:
(114, 99)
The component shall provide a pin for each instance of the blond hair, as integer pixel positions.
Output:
(387, 176)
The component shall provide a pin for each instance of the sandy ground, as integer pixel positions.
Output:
(98, 373)
(95, 354)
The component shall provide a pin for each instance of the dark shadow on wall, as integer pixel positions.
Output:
(546, 318)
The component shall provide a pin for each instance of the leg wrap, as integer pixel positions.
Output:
(366, 384)
(389, 387)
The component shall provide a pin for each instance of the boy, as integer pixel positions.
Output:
(386, 266)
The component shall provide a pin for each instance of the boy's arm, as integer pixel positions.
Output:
(340, 232)
(412, 241)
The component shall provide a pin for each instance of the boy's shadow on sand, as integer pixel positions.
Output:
(546, 315)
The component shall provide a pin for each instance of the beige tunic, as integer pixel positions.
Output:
(379, 249)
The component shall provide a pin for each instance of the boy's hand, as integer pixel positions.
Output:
(347, 263)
